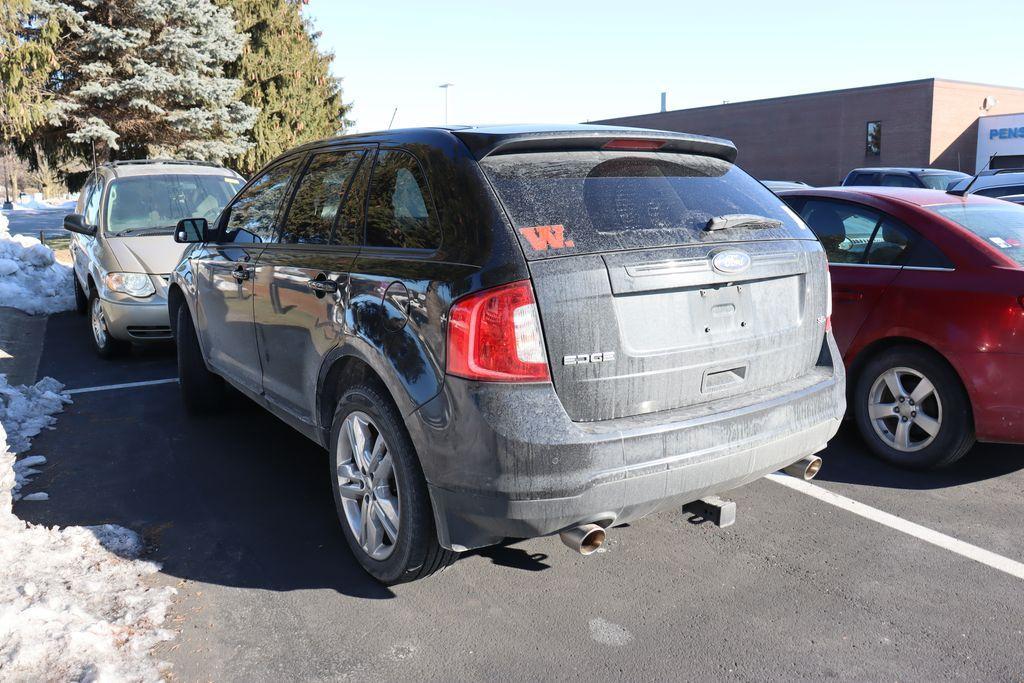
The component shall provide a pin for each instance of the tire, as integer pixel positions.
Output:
(202, 391)
(397, 547)
(106, 346)
(939, 429)
(81, 300)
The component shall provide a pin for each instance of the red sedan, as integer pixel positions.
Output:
(928, 312)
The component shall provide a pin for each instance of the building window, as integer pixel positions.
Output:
(873, 146)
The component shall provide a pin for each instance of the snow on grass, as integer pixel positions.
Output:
(36, 203)
(30, 278)
(74, 602)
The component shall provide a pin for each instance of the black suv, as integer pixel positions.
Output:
(929, 178)
(512, 332)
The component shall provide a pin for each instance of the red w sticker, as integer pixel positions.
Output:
(545, 237)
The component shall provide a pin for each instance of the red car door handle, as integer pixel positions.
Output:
(847, 296)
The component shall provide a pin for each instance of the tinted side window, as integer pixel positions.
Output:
(311, 215)
(843, 229)
(890, 244)
(399, 211)
(253, 215)
(898, 180)
(1004, 191)
(896, 244)
(349, 229)
(864, 179)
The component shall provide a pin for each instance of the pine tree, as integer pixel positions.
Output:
(286, 78)
(146, 77)
(26, 59)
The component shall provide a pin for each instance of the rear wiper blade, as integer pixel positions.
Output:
(741, 220)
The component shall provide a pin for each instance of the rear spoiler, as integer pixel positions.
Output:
(488, 143)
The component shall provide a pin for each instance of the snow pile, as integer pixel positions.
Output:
(74, 604)
(30, 278)
(26, 411)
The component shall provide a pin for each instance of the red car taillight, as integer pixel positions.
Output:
(495, 336)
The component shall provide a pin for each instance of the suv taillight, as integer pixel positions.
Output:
(828, 293)
(494, 336)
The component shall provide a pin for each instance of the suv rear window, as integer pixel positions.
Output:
(591, 201)
(1002, 226)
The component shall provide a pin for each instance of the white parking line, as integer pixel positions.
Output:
(973, 552)
(126, 385)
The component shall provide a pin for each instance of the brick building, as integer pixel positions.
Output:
(819, 137)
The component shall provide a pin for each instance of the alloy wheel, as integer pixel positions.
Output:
(367, 486)
(905, 409)
(99, 323)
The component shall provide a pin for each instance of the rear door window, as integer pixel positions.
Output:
(595, 201)
(1004, 191)
(313, 210)
(843, 229)
(399, 212)
(895, 244)
(898, 180)
(868, 179)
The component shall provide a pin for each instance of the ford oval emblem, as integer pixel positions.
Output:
(730, 262)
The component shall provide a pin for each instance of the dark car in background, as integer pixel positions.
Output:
(928, 292)
(929, 178)
(512, 332)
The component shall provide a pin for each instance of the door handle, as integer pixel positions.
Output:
(241, 273)
(322, 285)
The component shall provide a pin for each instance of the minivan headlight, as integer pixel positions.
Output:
(133, 284)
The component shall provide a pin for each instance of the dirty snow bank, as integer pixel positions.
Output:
(74, 605)
(30, 278)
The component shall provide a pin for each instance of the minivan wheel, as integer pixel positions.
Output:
(201, 390)
(81, 300)
(379, 490)
(106, 346)
(912, 410)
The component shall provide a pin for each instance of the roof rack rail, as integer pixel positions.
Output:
(183, 162)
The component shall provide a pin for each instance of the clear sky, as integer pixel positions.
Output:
(563, 62)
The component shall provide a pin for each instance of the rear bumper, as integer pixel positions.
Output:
(505, 460)
(995, 382)
(138, 321)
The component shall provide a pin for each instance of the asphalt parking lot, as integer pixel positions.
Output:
(238, 509)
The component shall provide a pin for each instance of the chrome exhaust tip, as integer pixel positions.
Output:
(805, 469)
(584, 539)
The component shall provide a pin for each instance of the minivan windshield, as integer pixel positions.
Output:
(155, 203)
(1001, 225)
(940, 181)
(590, 201)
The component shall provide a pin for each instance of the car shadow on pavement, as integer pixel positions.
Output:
(236, 499)
(848, 461)
(505, 555)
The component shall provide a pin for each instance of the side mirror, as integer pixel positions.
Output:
(192, 230)
(75, 222)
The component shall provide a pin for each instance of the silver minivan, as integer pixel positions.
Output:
(122, 244)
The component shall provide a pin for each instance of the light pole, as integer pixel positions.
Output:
(445, 86)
